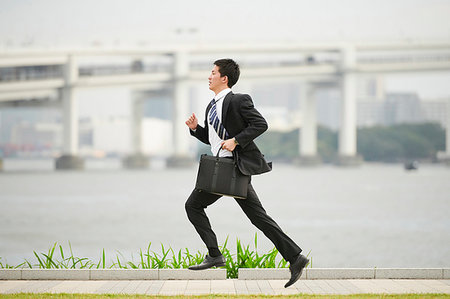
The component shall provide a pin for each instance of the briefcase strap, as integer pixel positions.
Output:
(215, 175)
(233, 179)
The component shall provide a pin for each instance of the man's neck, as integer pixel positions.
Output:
(221, 89)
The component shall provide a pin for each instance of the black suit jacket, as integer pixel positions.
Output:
(243, 122)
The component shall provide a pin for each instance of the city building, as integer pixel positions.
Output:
(402, 108)
(436, 111)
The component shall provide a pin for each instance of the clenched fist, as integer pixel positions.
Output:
(229, 144)
(192, 122)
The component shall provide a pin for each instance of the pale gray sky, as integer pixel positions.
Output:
(131, 22)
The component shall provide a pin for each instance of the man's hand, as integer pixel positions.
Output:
(192, 122)
(229, 144)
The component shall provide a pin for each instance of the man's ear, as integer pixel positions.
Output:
(225, 79)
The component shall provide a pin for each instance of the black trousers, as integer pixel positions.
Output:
(252, 207)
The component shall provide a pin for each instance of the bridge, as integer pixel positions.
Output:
(34, 77)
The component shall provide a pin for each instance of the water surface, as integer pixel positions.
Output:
(375, 215)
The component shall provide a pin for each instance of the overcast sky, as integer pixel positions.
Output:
(131, 22)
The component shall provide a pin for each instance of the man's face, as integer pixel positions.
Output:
(217, 83)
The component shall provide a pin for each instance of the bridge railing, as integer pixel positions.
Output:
(23, 73)
(165, 64)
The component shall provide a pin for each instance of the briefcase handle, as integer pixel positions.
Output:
(217, 155)
(233, 153)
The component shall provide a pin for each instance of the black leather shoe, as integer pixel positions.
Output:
(209, 262)
(296, 269)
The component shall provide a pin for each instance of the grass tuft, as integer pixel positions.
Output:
(167, 258)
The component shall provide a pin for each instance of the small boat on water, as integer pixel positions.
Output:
(411, 165)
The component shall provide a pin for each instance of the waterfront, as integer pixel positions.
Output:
(377, 215)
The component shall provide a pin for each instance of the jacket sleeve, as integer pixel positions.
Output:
(256, 124)
(201, 133)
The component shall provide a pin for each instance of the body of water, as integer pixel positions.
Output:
(376, 215)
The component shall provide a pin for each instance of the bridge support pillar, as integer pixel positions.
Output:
(137, 160)
(308, 131)
(347, 155)
(69, 158)
(447, 135)
(181, 156)
(445, 155)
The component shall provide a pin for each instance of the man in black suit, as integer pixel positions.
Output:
(231, 125)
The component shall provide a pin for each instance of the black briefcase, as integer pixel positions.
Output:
(221, 176)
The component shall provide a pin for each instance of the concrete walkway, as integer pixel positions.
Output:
(229, 286)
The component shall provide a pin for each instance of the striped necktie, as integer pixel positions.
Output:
(215, 122)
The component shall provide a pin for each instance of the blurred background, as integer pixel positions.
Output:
(94, 149)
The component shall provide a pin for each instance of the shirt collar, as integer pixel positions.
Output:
(222, 94)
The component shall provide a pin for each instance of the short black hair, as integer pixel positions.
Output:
(228, 67)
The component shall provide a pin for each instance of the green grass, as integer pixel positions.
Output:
(165, 258)
(93, 296)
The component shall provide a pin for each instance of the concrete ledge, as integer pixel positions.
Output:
(180, 162)
(308, 160)
(349, 161)
(112, 274)
(412, 273)
(124, 274)
(347, 273)
(314, 273)
(186, 274)
(446, 273)
(137, 161)
(340, 273)
(262, 274)
(10, 274)
(63, 274)
(69, 162)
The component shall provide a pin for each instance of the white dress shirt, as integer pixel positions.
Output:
(214, 139)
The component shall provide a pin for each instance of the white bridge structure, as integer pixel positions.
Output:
(34, 76)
